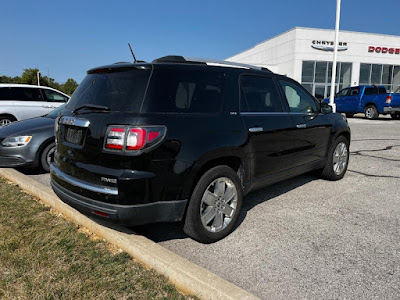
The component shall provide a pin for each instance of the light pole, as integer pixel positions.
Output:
(333, 85)
(38, 77)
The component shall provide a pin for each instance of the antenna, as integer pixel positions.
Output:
(134, 58)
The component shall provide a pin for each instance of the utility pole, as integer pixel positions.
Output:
(38, 77)
(333, 82)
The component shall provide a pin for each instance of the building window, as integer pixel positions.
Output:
(316, 77)
(386, 75)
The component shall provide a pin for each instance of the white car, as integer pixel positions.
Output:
(23, 101)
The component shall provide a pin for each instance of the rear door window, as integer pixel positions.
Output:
(259, 95)
(184, 91)
(26, 94)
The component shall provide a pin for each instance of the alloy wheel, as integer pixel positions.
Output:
(218, 204)
(340, 158)
(4, 122)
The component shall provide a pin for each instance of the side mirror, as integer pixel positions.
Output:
(326, 108)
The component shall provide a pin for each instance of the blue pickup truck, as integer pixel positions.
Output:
(369, 99)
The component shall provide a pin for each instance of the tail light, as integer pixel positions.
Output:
(115, 138)
(128, 139)
(388, 99)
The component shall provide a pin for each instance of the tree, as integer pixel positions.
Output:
(69, 86)
(29, 76)
(7, 79)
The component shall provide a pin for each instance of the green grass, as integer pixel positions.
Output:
(44, 256)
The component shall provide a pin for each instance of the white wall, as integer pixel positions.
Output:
(277, 54)
(284, 53)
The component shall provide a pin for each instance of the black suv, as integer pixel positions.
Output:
(184, 139)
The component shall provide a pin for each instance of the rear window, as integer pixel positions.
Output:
(119, 91)
(375, 90)
(185, 91)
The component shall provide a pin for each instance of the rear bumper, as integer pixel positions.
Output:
(162, 211)
(389, 109)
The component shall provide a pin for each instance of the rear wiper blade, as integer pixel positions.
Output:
(91, 107)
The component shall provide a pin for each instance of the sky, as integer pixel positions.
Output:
(63, 39)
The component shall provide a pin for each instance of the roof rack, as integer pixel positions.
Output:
(209, 62)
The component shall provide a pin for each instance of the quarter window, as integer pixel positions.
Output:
(259, 95)
(184, 91)
(298, 99)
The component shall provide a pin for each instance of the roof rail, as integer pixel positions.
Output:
(209, 62)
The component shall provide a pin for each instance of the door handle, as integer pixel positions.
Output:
(256, 129)
(301, 126)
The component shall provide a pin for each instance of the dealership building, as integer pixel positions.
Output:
(306, 55)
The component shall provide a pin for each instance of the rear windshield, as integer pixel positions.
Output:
(185, 91)
(119, 91)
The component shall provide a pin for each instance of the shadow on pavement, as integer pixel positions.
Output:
(170, 231)
(31, 171)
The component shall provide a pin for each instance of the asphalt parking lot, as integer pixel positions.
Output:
(309, 238)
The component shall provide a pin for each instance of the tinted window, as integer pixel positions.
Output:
(370, 91)
(53, 96)
(374, 91)
(354, 92)
(185, 91)
(26, 94)
(298, 99)
(119, 91)
(259, 95)
(5, 93)
(342, 93)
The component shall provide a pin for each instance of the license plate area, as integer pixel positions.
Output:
(74, 135)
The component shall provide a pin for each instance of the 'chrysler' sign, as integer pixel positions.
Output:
(328, 45)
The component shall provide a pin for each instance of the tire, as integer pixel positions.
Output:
(395, 116)
(371, 112)
(214, 206)
(6, 119)
(349, 115)
(47, 157)
(338, 160)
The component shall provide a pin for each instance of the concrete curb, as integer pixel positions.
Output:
(185, 275)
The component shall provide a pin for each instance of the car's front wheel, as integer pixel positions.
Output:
(338, 159)
(47, 157)
(214, 206)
